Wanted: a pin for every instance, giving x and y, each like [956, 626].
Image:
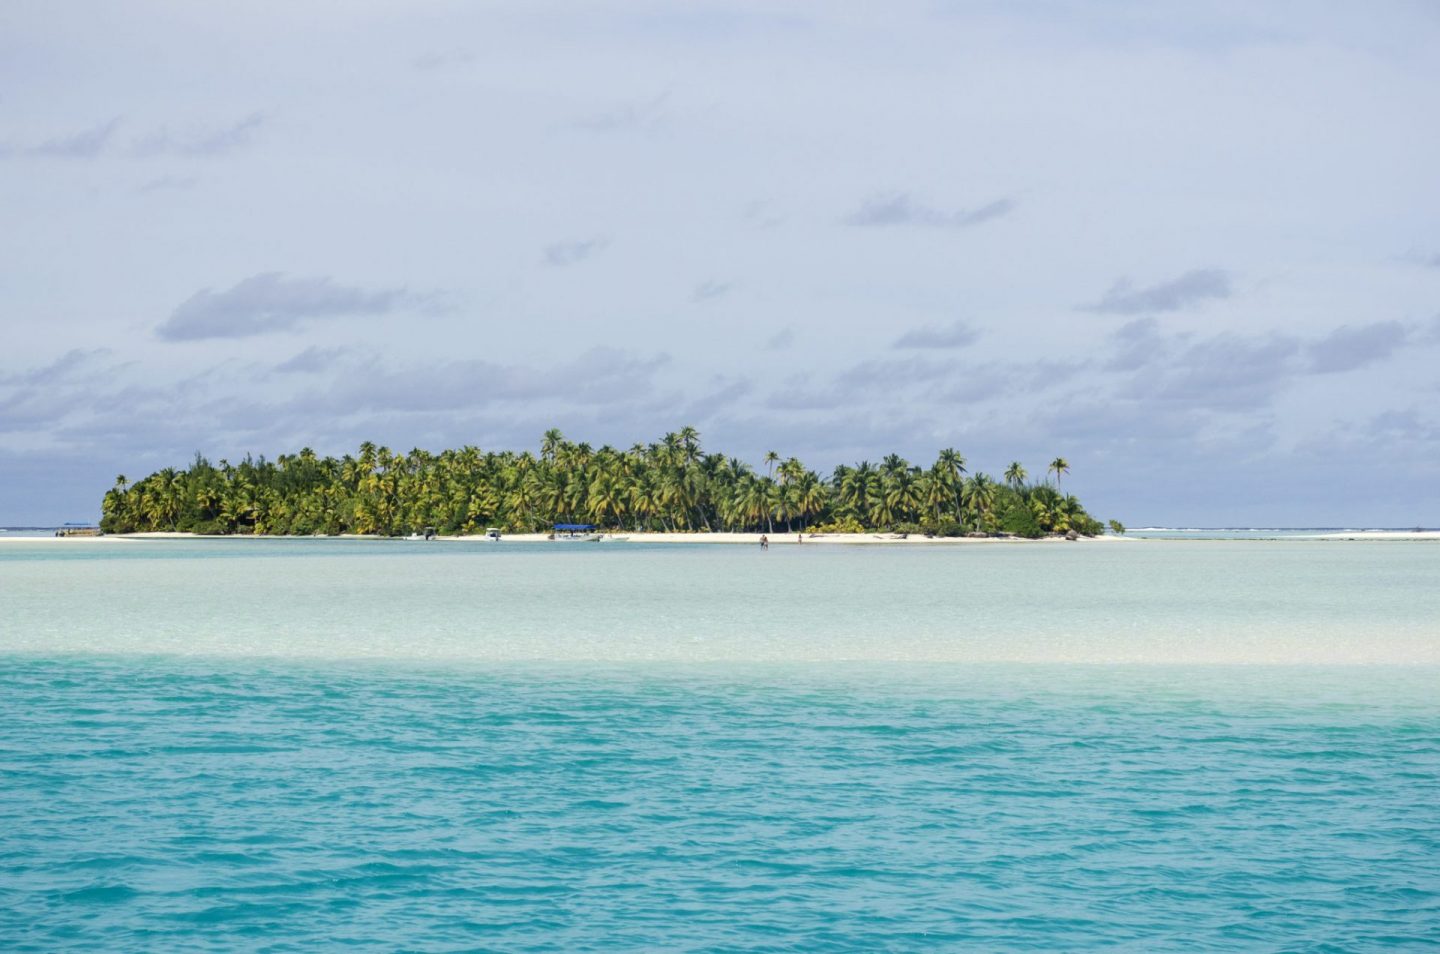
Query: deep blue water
[157, 804]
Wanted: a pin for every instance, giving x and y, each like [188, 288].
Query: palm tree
[771, 459]
[551, 443]
[1015, 474]
[980, 496]
[1059, 466]
[950, 466]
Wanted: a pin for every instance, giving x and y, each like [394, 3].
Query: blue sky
[1193, 249]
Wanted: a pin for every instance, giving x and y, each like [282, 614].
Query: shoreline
[752, 539]
[716, 538]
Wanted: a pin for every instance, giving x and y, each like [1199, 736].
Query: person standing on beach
[764, 542]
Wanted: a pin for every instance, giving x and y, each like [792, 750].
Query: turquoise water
[298, 746]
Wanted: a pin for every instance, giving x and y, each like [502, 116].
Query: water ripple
[148, 805]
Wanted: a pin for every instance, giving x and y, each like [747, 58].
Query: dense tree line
[669, 485]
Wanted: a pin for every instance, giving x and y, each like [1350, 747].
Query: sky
[1192, 248]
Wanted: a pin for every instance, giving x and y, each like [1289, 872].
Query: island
[670, 486]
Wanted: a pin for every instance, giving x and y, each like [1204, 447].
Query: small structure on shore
[79, 530]
[575, 531]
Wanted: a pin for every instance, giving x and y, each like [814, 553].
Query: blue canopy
[574, 526]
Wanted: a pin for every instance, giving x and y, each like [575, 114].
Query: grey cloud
[1347, 348]
[1191, 288]
[761, 215]
[599, 376]
[562, 254]
[1096, 421]
[272, 302]
[1226, 372]
[781, 340]
[200, 141]
[310, 360]
[1232, 372]
[62, 368]
[721, 399]
[1406, 426]
[709, 291]
[987, 381]
[955, 335]
[900, 209]
[1139, 343]
[95, 411]
[1430, 332]
[36, 398]
[980, 383]
[915, 380]
[86, 144]
[890, 374]
[801, 396]
[646, 116]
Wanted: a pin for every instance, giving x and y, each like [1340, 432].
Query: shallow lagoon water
[1212, 601]
[287, 746]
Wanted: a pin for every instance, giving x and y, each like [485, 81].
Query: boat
[428, 534]
[492, 533]
[576, 533]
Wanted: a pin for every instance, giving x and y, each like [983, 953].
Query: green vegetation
[669, 485]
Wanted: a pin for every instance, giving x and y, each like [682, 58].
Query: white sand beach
[780, 538]
[747, 539]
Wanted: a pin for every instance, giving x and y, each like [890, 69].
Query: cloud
[721, 399]
[801, 396]
[310, 360]
[166, 183]
[599, 376]
[955, 335]
[62, 368]
[1429, 333]
[761, 214]
[272, 302]
[1347, 348]
[1188, 289]
[1224, 372]
[199, 140]
[890, 374]
[1139, 343]
[37, 397]
[85, 144]
[1230, 371]
[780, 340]
[709, 291]
[646, 115]
[900, 209]
[562, 254]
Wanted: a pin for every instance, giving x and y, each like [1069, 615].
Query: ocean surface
[250, 745]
